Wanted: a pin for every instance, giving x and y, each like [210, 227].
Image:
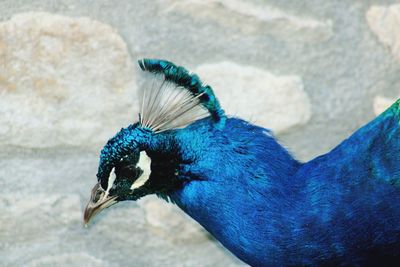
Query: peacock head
[172, 99]
[123, 170]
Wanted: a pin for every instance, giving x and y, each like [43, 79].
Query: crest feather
[173, 98]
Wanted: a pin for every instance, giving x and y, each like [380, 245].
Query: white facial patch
[144, 164]
[110, 182]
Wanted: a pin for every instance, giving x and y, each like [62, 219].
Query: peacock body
[239, 183]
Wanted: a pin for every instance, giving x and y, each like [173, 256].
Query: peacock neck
[251, 223]
[240, 202]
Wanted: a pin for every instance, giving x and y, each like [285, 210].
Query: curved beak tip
[87, 215]
[94, 207]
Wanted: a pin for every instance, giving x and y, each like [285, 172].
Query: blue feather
[269, 209]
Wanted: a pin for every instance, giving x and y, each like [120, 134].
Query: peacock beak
[99, 200]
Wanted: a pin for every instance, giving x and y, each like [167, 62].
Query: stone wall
[313, 71]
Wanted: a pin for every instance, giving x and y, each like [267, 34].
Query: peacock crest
[173, 97]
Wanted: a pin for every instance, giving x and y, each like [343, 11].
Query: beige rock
[251, 18]
[63, 81]
[384, 21]
[168, 222]
[275, 102]
[381, 103]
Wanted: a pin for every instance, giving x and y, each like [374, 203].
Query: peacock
[247, 190]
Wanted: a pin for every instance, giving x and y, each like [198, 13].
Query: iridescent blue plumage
[270, 210]
[238, 182]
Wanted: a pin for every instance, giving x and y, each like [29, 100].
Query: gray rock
[384, 21]
[252, 18]
[169, 222]
[275, 102]
[70, 259]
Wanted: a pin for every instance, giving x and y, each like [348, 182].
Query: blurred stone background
[313, 71]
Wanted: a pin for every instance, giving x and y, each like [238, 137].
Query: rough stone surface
[381, 103]
[275, 102]
[263, 19]
[61, 80]
[168, 222]
[385, 23]
[69, 259]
